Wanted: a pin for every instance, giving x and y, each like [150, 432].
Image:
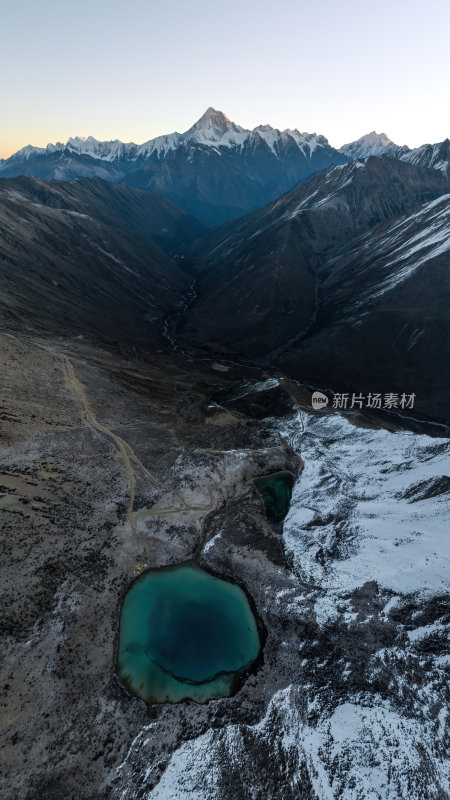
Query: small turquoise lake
[185, 634]
[276, 491]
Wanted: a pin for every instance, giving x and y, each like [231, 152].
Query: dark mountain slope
[261, 274]
[84, 258]
[277, 285]
[145, 214]
[384, 318]
[220, 183]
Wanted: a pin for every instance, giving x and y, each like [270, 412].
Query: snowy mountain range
[216, 131]
[436, 156]
[152, 370]
[213, 129]
[216, 170]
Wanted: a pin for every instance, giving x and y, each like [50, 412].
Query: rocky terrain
[111, 466]
[134, 419]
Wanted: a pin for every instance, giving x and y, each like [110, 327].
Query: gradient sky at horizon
[136, 70]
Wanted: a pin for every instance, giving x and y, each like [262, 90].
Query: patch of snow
[408, 252]
[426, 630]
[355, 752]
[352, 501]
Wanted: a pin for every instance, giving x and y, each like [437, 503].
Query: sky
[134, 70]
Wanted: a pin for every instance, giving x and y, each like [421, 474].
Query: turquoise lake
[184, 634]
[276, 491]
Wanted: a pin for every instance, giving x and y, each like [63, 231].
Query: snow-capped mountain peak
[214, 127]
[75, 139]
[211, 118]
[374, 138]
[371, 144]
[26, 152]
[262, 128]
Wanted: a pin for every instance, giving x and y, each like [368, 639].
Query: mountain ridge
[214, 128]
[212, 120]
[267, 289]
[216, 170]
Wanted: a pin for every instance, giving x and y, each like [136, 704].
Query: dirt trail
[129, 458]
[120, 444]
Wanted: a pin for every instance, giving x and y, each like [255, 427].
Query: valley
[156, 412]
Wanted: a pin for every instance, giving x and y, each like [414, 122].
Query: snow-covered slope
[360, 712]
[372, 144]
[436, 156]
[429, 155]
[370, 505]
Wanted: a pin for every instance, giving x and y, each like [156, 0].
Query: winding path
[129, 458]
